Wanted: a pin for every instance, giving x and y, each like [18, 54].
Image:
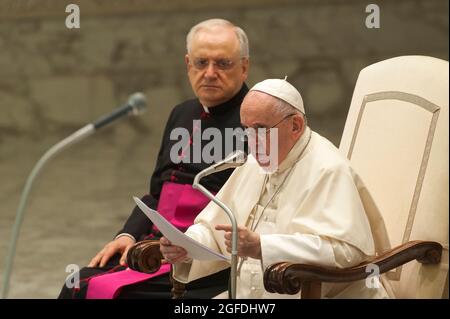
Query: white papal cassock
[317, 212]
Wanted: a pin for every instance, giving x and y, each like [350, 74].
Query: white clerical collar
[205, 109]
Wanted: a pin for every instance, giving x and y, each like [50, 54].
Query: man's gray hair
[240, 34]
[283, 108]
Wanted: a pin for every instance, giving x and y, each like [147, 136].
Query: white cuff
[125, 234]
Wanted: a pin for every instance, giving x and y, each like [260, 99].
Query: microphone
[235, 159]
[135, 106]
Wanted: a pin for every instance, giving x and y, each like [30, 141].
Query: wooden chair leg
[311, 290]
[178, 288]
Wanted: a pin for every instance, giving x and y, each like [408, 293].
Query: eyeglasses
[221, 64]
[262, 131]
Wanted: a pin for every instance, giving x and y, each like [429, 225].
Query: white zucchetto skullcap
[281, 89]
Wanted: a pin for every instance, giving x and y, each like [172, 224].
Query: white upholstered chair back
[396, 137]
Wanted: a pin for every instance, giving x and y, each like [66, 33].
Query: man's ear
[186, 60]
[298, 124]
[245, 67]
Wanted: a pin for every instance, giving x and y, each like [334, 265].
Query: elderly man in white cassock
[296, 199]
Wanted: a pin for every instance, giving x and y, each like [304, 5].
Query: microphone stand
[232, 293]
[196, 185]
[55, 149]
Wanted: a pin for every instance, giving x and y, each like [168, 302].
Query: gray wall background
[54, 80]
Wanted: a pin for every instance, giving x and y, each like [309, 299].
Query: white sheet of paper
[195, 249]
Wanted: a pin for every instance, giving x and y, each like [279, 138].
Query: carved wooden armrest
[289, 278]
[145, 256]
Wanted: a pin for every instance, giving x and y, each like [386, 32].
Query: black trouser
[154, 288]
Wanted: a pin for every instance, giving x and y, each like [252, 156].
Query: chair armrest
[145, 256]
[287, 278]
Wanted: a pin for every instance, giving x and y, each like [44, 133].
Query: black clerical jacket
[222, 116]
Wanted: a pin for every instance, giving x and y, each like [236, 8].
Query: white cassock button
[253, 288]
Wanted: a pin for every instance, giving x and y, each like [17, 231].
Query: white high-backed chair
[396, 137]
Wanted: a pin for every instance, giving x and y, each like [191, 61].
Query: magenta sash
[178, 203]
[108, 286]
